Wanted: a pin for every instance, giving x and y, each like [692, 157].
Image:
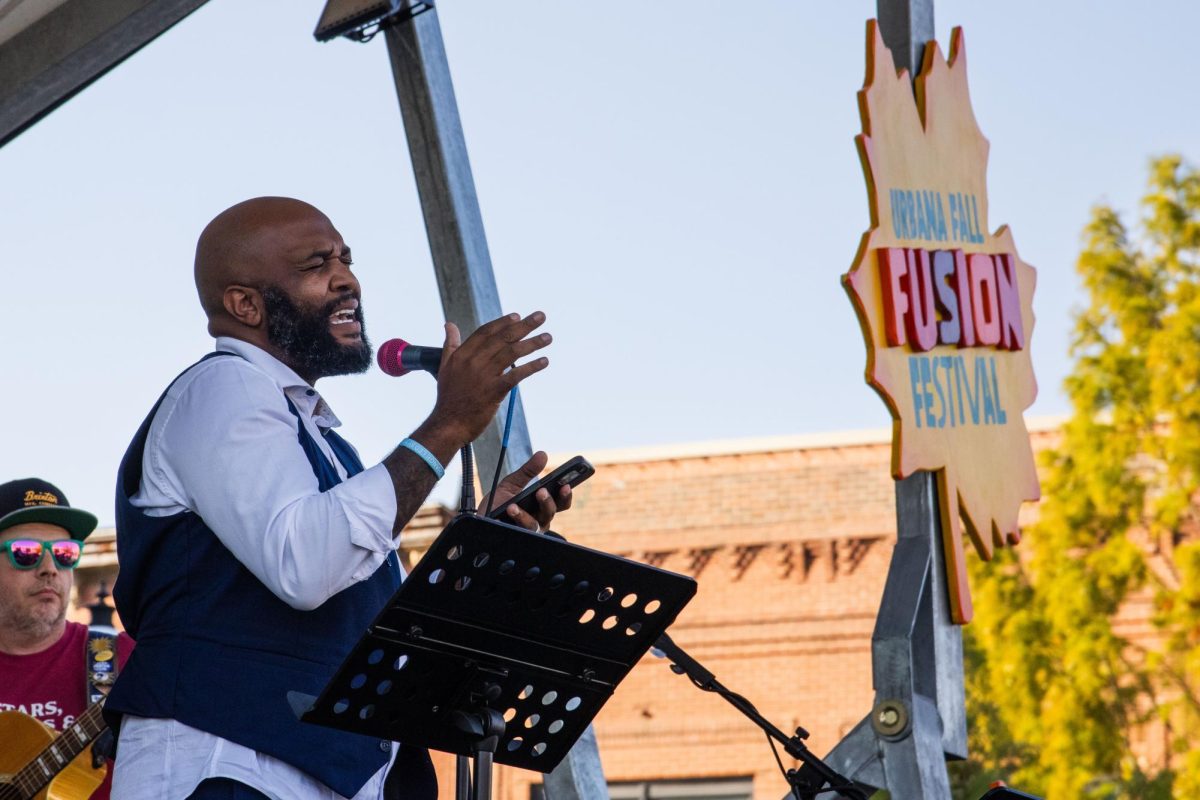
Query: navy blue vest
[219, 651]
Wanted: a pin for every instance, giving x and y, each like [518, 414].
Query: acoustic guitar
[36, 765]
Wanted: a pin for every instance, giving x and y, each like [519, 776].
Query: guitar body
[24, 739]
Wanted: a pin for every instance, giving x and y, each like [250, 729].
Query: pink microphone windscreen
[388, 357]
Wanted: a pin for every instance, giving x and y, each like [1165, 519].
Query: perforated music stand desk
[495, 617]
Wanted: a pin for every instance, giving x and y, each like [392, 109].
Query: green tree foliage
[1054, 693]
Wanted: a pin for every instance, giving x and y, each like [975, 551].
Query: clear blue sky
[675, 183]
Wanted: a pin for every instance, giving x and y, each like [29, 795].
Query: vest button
[385, 746]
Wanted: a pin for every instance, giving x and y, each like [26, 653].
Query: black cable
[782, 769]
[491, 497]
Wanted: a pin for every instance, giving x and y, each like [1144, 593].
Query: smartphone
[572, 473]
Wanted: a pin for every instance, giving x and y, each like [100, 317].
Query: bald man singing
[254, 546]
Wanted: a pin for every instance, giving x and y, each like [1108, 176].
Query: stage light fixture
[360, 20]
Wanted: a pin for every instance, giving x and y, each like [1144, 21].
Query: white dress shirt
[223, 445]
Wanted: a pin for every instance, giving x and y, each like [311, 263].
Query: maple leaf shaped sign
[946, 307]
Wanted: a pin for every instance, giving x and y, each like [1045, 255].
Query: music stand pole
[487, 726]
[483, 776]
[462, 778]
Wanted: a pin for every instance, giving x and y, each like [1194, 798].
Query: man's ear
[245, 304]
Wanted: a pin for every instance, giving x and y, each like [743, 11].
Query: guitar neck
[34, 776]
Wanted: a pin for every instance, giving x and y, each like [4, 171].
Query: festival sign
[946, 307]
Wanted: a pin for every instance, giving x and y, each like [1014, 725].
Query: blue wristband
[426, 456]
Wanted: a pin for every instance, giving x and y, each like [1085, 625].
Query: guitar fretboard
[62, 751]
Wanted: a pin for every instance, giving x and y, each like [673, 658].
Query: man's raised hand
[474, 375]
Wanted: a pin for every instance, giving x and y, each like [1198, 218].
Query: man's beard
[33, 623]
[304, 337]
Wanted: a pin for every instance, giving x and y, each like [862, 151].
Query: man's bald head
[274, 272]
[237, 247]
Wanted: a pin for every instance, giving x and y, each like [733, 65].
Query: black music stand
[500, 642]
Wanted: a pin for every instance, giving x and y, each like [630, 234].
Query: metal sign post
[907, 25]
[919, 720]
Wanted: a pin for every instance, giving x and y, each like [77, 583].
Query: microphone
[397, 357]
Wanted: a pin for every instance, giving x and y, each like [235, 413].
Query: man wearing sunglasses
[255, 547]
[43, 657]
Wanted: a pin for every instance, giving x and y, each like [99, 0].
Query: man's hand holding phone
[533, 507]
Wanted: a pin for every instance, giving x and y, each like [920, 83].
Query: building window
[699, 789]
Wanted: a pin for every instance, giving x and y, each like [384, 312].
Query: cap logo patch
[33, 498]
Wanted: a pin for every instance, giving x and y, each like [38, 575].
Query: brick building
[789, 539]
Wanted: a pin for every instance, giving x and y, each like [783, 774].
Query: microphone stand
[462, 764]
[467, 502]
[802, 788]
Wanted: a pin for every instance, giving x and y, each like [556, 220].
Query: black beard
[304, 337]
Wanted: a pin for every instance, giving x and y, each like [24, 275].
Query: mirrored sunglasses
[27, 553]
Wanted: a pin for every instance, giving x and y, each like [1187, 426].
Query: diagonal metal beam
[44, 64]
[463, 265]
[449, 204]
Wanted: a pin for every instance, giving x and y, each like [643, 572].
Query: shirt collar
[308, 401]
